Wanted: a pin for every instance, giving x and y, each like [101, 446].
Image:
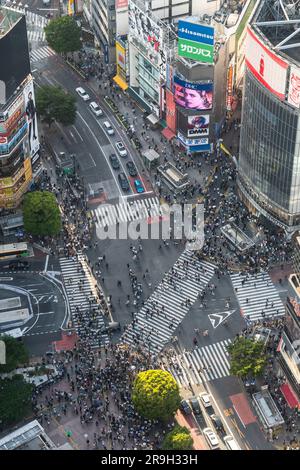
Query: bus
[14, 250]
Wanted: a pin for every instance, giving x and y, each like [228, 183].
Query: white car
[121, 149]
[211, 438]
[205, 398]
[82, 93]
[231, 444]
[108, 128]
[95, 108]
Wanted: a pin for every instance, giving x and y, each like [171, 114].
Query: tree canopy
[178, 439]
[55, 104]
[247, 357]
[16, 354]
[15, 400]
[63, 35]
[155, 394]
[41, 214]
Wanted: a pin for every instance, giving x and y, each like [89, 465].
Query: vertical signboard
[294, 87]
[170, 111]
[32, 143]
[229, 88]
[71, 7]
[196, 41]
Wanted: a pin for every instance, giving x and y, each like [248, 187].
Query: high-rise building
[19, 143]
[269, 160]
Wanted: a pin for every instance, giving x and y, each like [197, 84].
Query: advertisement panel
[268, 68]
[121, 4]
[192, 142]
[121, 61]
[196, 41]
[147, 32]
[193, 95]
[14, 54]
[71, 7]
[32, 145]
[229, 88]
[198, 126]
[11, 115]
[294, 87]
[170, 111]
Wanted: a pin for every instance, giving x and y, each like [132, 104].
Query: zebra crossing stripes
[106, 214]
[162, 313]
[81, 291]
[36, 35]
[257, 296]
[203, 364]
[33, 19]
[41, 53]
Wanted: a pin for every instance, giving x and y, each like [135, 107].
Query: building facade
[104, 25]
[269, 161]
[19, 142]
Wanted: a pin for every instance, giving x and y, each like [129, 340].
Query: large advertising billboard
[32, 143]
[193, 95]
[196, 41]
[170, 111]
[267, 67]
[294, 87]
[15, 64]
[149, 34]
[11, 115]
[198, 126]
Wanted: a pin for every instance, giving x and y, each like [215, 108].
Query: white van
[108, 128]
[231, 444]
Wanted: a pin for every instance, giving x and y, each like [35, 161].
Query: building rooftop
[267, 409]
[278, 22]
[8, 18]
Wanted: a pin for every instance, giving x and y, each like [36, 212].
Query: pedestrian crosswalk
[141, 209]
[36, 35]
[154, 325]
[203, 364]
[257, 296]
[83, 299]
[33, 19]
[41, 53]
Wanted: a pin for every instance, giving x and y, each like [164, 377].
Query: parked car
[195, 406]
[82, 93]
[114, 161]
[121, 149]
[185, 407]
[138, 186]
[123, 181]
[231, 444]
[95, 109]
[131, 168]
[211, 438]
[218, 423]
[205, 398]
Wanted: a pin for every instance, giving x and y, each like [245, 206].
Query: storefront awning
[120, 82]
[153, 119]
[168, 134]
[289, 396]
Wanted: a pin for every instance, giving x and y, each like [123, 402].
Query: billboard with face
[32, 144]
[267, 67]
[198, 126]
[193, 95]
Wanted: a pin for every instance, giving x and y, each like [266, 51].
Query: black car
[195, 406]
[131, 168]
[217, 423]
[185, 407]
[123, 181]
[114, 161]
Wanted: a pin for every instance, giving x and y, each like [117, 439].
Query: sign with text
[196, 41]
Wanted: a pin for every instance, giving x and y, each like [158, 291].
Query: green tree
[16, 354]
[55, 104]
[63, 35]
[41, 214]
[155, 394]
[247, 357]
[15, 400]
[178, 439]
